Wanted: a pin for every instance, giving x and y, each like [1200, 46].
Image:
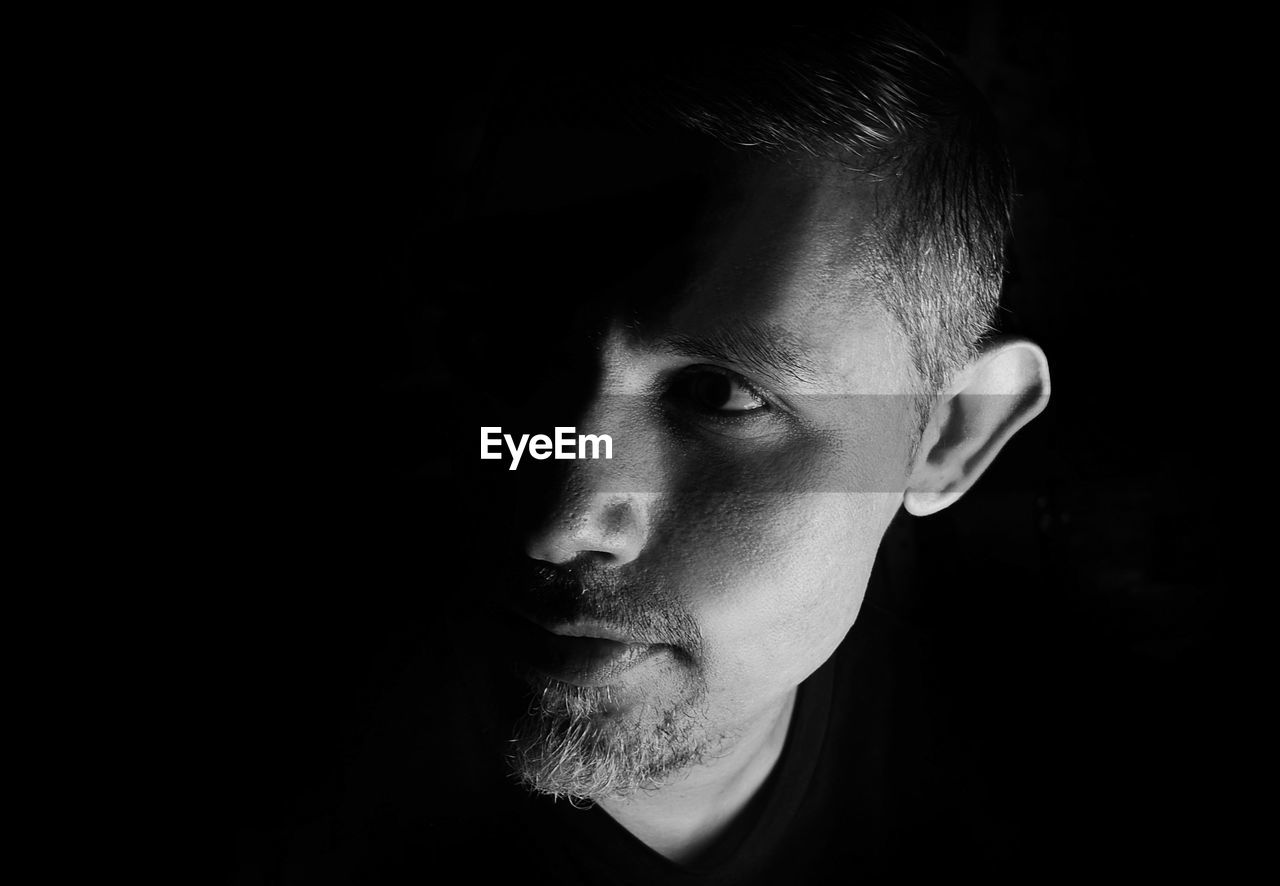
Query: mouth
[580, 653]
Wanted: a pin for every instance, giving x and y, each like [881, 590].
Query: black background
[1080, 583]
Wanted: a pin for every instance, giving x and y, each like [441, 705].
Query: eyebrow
[765, 348]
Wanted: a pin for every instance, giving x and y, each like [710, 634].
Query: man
[767, 269]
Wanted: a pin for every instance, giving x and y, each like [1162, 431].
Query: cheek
[775, 571]
[776, 580]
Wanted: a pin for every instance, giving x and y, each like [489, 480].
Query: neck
[683, 819]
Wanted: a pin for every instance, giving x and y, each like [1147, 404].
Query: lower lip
[582, 661]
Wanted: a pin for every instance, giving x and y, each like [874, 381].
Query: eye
[718, 391]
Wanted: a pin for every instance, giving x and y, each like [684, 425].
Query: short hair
[888, 104]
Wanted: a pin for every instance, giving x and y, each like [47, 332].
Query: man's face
[762, 428]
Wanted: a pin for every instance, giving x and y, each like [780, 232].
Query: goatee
[579, 743]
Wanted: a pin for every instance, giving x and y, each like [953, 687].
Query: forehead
[784, 247]
[678, 238]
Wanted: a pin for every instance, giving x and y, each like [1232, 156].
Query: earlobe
[993, 397]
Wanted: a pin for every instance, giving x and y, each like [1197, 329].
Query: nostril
[606, 526]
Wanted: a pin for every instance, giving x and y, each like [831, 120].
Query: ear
[986, 403]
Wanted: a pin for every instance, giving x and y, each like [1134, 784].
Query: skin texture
[756, 497]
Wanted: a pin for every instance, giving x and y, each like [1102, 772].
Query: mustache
[639, 604]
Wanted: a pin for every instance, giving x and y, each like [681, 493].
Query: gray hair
[891, 106]
[879, 98]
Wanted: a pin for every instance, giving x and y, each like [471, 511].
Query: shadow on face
[708, 313]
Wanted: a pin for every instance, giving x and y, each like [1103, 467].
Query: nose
[608, 528]
[601, 510]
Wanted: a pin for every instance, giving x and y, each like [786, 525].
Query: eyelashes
[716, 392]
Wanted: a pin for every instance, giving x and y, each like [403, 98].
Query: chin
[594, 743]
